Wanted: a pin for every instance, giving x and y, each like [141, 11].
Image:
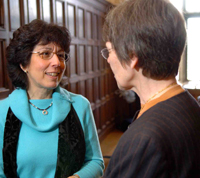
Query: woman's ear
[133, 63]
[23, 68]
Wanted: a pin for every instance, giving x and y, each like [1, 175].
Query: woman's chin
[51, 87]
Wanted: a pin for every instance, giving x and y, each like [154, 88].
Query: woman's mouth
[53, 74]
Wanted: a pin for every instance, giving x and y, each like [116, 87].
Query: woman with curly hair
[45, 130]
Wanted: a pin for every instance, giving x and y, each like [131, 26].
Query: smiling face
[45, 73]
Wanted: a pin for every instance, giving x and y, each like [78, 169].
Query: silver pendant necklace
[44, 111]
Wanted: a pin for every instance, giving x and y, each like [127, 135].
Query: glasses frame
[105, 50]
[67, 59]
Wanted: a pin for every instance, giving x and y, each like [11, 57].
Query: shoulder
[181, 100]
[175, 107]
[82, 107]
[80, 103]
[75, 99]
[173, 118]
[80, 99]
[183, 105]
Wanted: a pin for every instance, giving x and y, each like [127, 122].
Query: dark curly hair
[25, 39]
[152, 30]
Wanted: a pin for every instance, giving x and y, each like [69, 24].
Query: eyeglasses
[105, 52]
[63, 56]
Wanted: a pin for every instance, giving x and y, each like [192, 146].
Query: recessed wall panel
[81, 31]
[73, 60]
[82, 87]
[90, 90]
[59, 13]
[1, 63]
[1, 14]
[95, 27]
[82, 59]
[71, 19]
[89, 25]
[89, 59]
[95, 58]
[32, 10]
[14, 15]
[46, 10]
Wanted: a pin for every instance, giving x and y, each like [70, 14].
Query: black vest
[71, 145]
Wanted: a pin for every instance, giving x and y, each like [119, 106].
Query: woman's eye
[61, 55]
[45, 54]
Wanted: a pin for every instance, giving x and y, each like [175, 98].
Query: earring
[26, 71]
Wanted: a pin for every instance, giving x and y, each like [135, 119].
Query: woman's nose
[55, 60]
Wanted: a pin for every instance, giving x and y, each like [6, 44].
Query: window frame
[182, 78]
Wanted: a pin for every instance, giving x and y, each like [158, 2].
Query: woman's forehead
[49, 46]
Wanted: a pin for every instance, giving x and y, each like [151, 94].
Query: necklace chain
[44, 111]
[174, 83]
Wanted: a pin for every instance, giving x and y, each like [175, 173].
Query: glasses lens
[61, 56]
[105, 53]
[66, 57]
[46, 55]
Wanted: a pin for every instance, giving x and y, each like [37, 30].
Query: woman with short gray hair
[144, 43]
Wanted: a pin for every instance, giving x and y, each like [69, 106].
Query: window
[191, 65]
[192, 6]
[193, 55]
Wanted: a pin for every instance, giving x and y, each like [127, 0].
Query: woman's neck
[153, 88]
[39, 94]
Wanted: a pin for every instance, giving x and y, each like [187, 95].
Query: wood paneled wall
[87, 72]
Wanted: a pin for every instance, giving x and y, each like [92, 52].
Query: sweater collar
[61, 98]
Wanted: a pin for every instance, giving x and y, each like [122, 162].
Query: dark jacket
[163, 142]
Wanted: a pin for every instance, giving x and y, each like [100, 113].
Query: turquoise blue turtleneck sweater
[38, 138]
